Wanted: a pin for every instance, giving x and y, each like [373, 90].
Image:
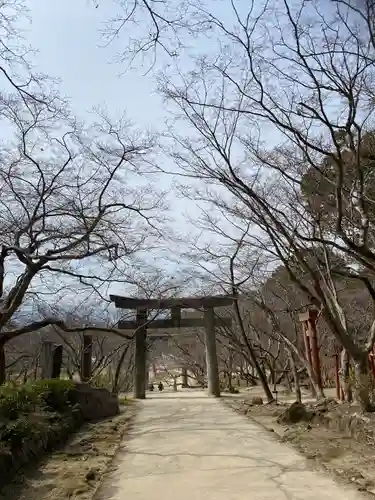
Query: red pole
[372, 363]
[307, 343]
[314, 347]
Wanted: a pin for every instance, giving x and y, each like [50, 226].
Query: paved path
[190, 447]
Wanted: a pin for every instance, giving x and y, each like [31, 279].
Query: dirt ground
[350, 459]
[76, 470]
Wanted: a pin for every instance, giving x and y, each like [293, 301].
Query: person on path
[160, 386]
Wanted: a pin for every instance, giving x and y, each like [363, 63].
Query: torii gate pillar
[139, 387]
[211, 356]
[184, 376]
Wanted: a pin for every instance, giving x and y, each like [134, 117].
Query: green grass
[125, 400]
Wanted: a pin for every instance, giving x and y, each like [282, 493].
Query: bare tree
[145, 29]
[303, 74]
[70, 209]
[221, 269]
[77, 210]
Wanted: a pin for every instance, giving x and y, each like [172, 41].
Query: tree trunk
[297, 387]
[273, 372]
[230, 382]
[363, 383]
[283, 374]
[36, 368]
[288, 381]
[316, 391]
[345, 376]
[249, 379]
[230, 371]
[271, 376]
[115, 386]
[252, 355]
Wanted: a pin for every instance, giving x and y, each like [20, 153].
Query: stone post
[211, 357]
[86, 359]
[57, 361]
[184, 376]
[46, 361]
[2, 365]
[140, 356]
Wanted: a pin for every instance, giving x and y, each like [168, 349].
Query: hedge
[49, 395]
[34, 418]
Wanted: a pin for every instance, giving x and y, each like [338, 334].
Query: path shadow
[172, 398]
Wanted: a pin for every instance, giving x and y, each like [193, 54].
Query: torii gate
[142, 306]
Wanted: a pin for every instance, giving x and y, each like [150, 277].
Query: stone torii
[140, 325]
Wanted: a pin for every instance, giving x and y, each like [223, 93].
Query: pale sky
[66, 33]
[71, 48]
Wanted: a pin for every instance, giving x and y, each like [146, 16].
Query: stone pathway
[187, 446]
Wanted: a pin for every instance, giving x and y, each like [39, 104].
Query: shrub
[15, 401]
[52, 395]
[55, 395]
[37, 416]
[19, 431]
